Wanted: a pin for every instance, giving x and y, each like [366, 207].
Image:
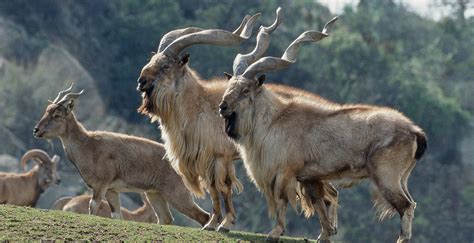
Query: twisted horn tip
[329, 24]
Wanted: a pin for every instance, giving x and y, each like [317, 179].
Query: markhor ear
[70, 105]
[260, 80]
[228, 75]
[184, 59]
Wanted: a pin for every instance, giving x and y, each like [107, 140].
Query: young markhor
[111, 163]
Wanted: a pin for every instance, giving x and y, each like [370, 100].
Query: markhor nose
[141, 80]
[223, 106]
[35, 130]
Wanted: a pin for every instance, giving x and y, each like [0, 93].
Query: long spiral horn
[270, 64]
[212, 37]
[242, 61]
[175, 34]
[169, 37]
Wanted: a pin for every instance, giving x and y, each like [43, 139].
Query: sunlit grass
[21, 223]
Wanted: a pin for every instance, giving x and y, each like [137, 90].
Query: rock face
[56, 69]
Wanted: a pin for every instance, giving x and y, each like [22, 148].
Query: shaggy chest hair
[192, 134]
[273, 175]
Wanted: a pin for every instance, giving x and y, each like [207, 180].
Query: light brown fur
[24, 189]
[59, 204]
[186, 108]
[285, 142]
[111, 163]
[80, 204]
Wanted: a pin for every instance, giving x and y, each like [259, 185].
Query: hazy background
[379, 52]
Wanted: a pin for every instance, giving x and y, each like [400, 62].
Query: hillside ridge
[22, 223]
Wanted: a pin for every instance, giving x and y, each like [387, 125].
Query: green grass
[21, 223]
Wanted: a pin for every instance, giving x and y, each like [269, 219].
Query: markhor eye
[246, 91]
[165, 67]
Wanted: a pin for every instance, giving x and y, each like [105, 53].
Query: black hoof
[223, 230]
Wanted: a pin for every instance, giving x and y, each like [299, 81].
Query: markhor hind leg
[405, 181]
[160, 205]
[332, 203]
[390, 166]
[394, 194]
[182, 200]
[409, 214]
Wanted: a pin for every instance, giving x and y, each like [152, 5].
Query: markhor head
[246, 84]
[53, 122]
[167, 66]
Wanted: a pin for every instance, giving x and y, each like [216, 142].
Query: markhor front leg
[225, 168]
[113, 199]
[216, 216]
[279, 229]
[229, 219]
[97, 196]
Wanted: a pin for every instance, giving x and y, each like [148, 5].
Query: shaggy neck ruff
[263, 113]
[180, 98]
[192, 130]
[256, 141]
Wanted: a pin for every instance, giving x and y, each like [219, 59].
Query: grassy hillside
[20, 223]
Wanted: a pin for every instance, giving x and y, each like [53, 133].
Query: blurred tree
[458, 8]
